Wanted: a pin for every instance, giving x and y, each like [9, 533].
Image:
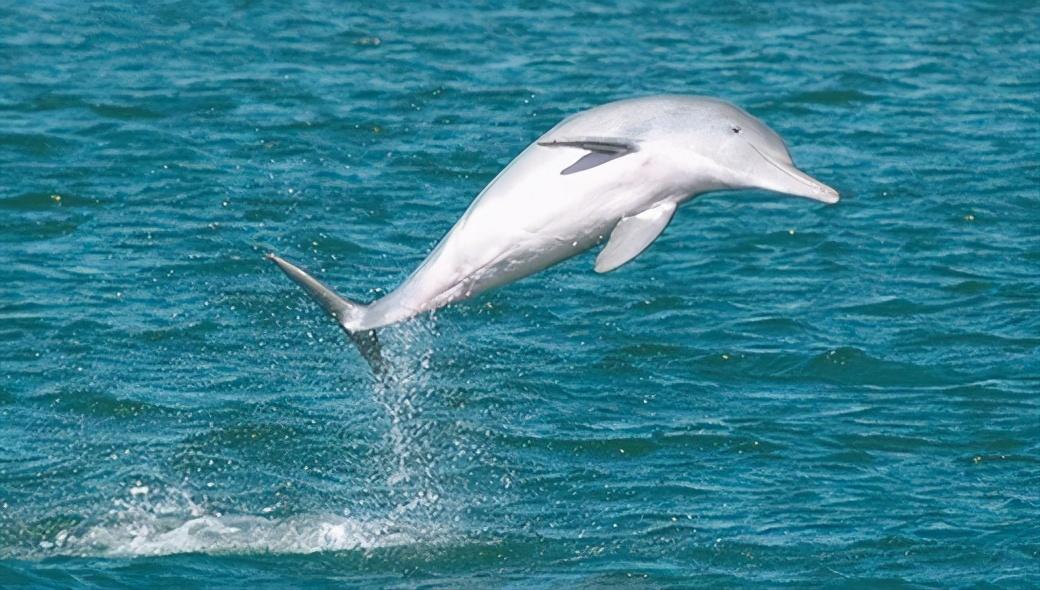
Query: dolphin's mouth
[795, 182]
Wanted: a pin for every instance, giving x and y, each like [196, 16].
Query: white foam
[141, 526]
[237, 534]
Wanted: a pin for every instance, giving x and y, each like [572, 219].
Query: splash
[141, 527]
[418, 440]
[237, 534]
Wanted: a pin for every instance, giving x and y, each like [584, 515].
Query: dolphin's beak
[785, 178]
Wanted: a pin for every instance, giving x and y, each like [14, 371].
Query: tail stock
[344, 311]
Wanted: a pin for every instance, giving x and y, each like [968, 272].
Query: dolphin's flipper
[345, 312]
[601, 150]
[633, 234]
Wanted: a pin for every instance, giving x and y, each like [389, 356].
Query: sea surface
[777, 394]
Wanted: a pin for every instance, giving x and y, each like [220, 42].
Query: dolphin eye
[735, 129]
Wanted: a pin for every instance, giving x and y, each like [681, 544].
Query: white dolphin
[616, 171]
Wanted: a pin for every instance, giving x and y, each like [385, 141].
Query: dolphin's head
[746, 154]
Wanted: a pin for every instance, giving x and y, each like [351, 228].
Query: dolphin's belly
[464, 266]
[458, 270]
[533, 252]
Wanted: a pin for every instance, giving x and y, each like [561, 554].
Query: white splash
[236, 534]
[142, 527]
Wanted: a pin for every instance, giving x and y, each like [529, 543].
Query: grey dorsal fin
[601, 150]
[633, 234]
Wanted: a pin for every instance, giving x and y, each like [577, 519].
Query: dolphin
[616, 172]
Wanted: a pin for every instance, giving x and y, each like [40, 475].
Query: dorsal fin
[634, 234]
[601, 150]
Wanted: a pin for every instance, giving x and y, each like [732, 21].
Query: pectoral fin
[600, 151]
[633, 234]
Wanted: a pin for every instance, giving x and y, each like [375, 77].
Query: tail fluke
[345, 312]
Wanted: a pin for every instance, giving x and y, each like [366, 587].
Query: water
[776, 394]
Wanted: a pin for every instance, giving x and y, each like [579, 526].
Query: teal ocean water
[777, 394]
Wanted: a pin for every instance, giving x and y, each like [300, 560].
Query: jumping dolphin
[615, 172]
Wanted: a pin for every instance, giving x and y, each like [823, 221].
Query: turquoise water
[776, 394]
